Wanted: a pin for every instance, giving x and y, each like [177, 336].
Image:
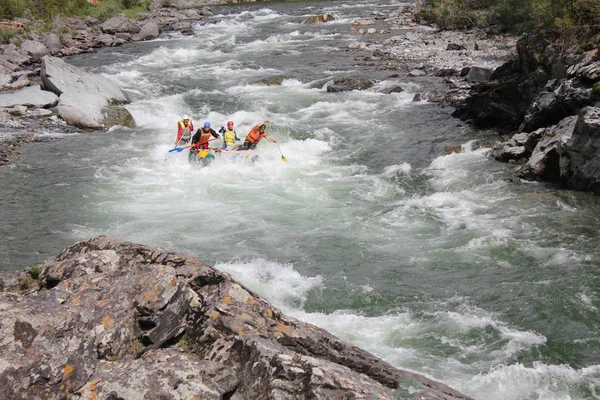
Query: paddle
[180, 149]
[282, 157]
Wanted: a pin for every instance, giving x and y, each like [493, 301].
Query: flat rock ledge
[116, 320]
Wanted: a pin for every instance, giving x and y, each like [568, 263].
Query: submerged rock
[110, 319]
[347, 83]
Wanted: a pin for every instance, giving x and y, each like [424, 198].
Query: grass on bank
[45, 10]
[567, 20]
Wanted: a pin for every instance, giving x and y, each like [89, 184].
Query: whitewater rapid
[435, 262]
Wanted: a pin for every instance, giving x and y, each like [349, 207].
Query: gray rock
[20, 83]
[105, 40]
[124, 36]
[579, 162]
[347, 83]
[92, 110]
[36, 50]
[86, 100]
[59, 77]
[544, 161]
[319, 19]
[149, 31]
[43, 113]
[109, 320]
[19, 111]
[5, 77]
[15, 56]
[478, 74]
[53, 43]
[32, 96]
[417, 72]
[455, 47]
[182, 4]
[120, 23]
[507, 153]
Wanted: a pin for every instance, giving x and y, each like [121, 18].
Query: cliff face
[116, 320]
[549, 97]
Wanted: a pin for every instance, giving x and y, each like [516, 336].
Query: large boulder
[116, 320]
[59, 77]
[544, 163]
[53, 43]
[36, 50]
[120, 23]
[579, 161]
[149, 31]
[90, 110]
[86, 100]
[32, 96]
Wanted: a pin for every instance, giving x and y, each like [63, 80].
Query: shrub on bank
[47, 9]
[569, 19]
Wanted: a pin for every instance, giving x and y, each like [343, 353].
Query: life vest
[229, 137]
[254, 136]
[186, 133]
[204, 138]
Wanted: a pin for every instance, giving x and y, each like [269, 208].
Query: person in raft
[255, 135]
[202, 136]
[184, 131]
[229, 137]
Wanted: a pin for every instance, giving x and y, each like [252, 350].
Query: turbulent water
[434, 262]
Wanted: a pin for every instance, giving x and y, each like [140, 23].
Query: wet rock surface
[110, 319]
[545, 96]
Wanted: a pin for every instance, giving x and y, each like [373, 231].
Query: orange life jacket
[254, 136]
[204, 138]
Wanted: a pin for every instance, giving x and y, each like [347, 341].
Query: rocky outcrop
[32, 96]
[86, 100]
[117, 320]
[579, 163]
[541, 94]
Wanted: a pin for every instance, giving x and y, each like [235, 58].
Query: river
[434, 262]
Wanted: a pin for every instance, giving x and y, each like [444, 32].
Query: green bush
[10, 9]
[6, 34]
[567, 19]
[47, 9]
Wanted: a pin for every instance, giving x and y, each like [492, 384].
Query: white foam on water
[280, 283]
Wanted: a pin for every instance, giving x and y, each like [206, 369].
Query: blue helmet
[207, 124]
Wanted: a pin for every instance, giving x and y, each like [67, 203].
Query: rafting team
[200, 139]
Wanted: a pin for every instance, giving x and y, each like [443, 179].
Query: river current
[434, 262]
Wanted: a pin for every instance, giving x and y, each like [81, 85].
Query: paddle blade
[179, 149]
[284, 159]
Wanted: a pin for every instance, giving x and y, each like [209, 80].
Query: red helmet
[229, 123]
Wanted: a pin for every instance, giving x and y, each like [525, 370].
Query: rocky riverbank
[542, 97]
[547, 101]
[36, 63]
[117, 320]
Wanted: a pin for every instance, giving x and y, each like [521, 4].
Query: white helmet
[185, 117]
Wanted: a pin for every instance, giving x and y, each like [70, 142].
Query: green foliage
[34, 272]
[6, 34]
[596, 89]
[47, 9]
[567, 19]
[188, 345]
[26, 283]
[10, 9]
